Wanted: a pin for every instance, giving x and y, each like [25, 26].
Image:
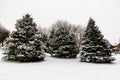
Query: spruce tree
[63, 43]
[94, 48]
[24, 44]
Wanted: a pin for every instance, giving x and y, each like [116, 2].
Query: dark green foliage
[62, 43]
[25, 43]
[94, 47]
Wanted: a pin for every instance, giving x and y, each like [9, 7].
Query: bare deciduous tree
[44, 32]
[78, 30]
[4, 33]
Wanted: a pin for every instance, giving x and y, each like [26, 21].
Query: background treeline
[4, 33]
[64, 40]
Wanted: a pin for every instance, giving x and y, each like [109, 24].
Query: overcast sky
[106, 13]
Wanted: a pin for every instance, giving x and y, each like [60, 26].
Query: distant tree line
[64, 40]
[4, 33]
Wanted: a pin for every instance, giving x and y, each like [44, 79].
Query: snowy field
[59, 69]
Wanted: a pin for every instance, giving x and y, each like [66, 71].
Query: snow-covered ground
[59, 69]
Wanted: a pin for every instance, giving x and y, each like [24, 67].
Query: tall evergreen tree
[63, 43]
[24, 44]
[94, 47]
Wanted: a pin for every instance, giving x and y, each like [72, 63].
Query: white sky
[45, 12]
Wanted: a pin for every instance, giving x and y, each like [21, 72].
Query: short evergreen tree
[94, 47]
[25, 43]
[63, 43]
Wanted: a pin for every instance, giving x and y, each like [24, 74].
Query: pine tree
[25, 43]
[94, 47]
[63, 44]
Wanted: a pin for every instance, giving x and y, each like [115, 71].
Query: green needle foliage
[24, 44]
[94, 48]
[63, 43]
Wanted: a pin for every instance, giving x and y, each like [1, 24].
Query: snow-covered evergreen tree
[63, 43]
[24, 44]
[94, 47]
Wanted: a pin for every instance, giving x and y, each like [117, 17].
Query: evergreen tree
[25, 43]
[63, 43]
[94, 47]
